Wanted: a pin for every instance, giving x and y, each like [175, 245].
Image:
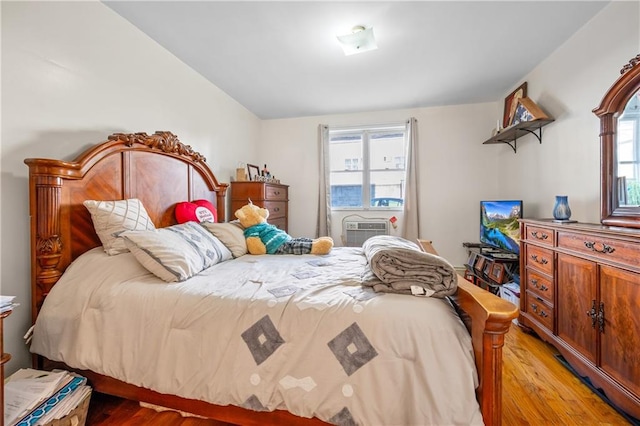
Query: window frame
[365, 133]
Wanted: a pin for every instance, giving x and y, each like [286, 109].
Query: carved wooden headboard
[158, 169]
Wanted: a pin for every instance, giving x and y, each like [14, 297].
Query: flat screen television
[499, 226]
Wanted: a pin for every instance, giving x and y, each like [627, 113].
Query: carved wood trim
[611, 106]
[48, 243]
[161, 140]
[632, 63]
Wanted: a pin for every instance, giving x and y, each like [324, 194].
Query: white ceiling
[282, 59]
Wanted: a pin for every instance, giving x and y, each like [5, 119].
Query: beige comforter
[298, 333]
[399, 266]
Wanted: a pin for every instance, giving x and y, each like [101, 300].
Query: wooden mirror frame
[611, 107]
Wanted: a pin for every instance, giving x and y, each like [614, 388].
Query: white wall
[455, 169]
[72, 74]
[569, 84]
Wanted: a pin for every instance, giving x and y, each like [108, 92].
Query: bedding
[399, 266]
[293, 332]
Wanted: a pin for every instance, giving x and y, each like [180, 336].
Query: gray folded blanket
[396, 264]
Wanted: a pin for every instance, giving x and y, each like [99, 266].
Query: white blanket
[268, 332]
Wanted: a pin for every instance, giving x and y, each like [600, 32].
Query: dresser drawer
[276, 209]
[540, 310]
[539, 258]
[540, 285]
[280, 223]
[540, 235]
[243, 191]
[275, 192]
[610, 249]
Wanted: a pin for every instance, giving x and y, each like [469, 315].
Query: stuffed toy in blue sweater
[264, 238]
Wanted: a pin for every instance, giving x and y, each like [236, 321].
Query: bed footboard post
[491, 391]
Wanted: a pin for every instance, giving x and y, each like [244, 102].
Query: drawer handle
[592, 313]
[539, 235]
[534, 283]
[601, 318]
[606, 249]
[276, 209]
[276, 192]
[542, 313]
[544, 287]
[542, 261]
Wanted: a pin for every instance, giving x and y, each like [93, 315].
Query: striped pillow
[110, 218]
[178, 252]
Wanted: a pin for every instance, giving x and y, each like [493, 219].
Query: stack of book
[7, 303]
[36, 397]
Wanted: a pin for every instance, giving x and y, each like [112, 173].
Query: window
[367, 167]
[352, 163]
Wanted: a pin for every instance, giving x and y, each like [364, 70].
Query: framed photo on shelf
[527, 110]
[253, 171]
[479, 265]
[473, 257]
[488, 265]
[511, 103]
[497, 272]
[468, 275]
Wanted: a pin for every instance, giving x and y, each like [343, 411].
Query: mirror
[619, 114]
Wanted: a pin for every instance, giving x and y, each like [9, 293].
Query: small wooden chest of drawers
[271, 196]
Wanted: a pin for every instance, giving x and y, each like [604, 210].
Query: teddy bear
[264, 238]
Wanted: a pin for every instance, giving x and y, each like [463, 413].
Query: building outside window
[367, 167]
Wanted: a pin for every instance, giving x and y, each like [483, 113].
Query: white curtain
[323, 227]
[409, 225]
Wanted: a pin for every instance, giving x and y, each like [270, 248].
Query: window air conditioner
[357, 232]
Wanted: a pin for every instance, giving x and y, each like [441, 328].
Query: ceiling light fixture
[360, 40]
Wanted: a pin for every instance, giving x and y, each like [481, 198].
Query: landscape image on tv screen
[499, 225]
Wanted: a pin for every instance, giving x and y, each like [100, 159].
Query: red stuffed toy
[196, 211]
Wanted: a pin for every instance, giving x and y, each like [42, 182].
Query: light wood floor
[537, 390]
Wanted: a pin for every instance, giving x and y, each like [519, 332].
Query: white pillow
[111, 218]
[177, 252]
[231, 234]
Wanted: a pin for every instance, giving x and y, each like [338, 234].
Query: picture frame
[468, 275]
[479, 265]
[473, 257]
[511, 102]
[253, 171]
[527, 110]
[497, 272]
[486, 270]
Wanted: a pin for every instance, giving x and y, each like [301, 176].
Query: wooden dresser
[580, 291]
[271, 196]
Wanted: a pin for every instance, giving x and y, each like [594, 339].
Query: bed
[161, 171]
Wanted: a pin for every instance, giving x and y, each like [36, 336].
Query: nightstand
[4, 358]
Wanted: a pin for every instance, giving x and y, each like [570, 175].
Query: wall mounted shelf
[511, 134]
